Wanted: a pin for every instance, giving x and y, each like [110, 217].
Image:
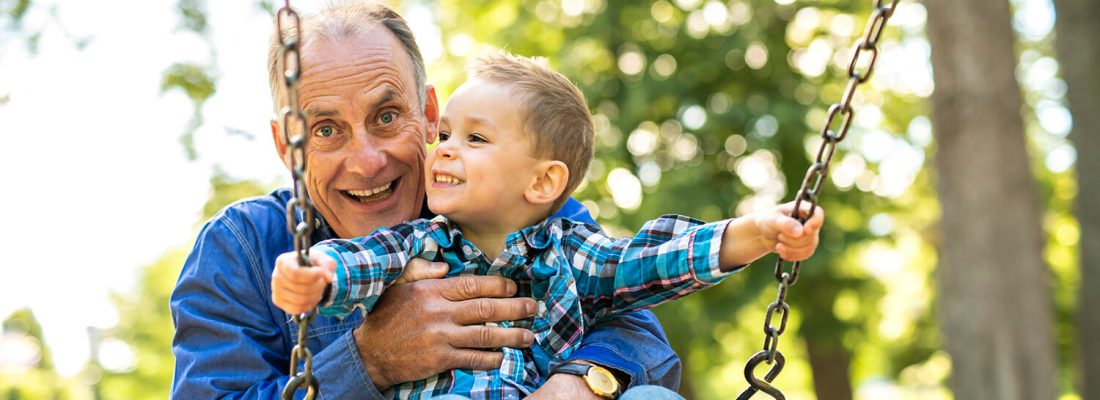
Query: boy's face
[483, 162]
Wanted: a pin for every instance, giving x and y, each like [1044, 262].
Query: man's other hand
[564, 387]
[422, 328]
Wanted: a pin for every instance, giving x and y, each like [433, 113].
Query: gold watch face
[601, 382]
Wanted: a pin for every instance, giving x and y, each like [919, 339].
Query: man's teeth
[368, 192]
[448, 179]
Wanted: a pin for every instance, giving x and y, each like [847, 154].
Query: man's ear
[431, 114]
[549, 183]
[280, 145]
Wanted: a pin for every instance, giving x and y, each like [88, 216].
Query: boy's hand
[297, 290]
[783, 234]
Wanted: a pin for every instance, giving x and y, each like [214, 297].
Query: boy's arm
[669, 258]
[365, 266]
[673, 256]
[229, 343]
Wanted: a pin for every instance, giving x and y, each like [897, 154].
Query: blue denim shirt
[232, 342]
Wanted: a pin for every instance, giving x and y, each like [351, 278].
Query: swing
[290, 52]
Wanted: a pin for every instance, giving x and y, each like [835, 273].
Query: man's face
[483, 162]
[367, 131]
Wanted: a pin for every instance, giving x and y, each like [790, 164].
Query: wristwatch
[598, 378]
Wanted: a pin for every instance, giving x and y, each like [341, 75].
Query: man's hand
[297, 290]
[564, 387]
[429, 326]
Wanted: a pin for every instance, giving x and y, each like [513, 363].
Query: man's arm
[229, 343]
[635, 346]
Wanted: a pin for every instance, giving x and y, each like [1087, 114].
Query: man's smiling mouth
[371, 195]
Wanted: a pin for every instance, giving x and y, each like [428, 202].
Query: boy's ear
[549, 183]
[280, 145]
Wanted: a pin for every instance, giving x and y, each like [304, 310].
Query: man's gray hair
[339, 20]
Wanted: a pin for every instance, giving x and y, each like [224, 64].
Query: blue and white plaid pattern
[578, 275]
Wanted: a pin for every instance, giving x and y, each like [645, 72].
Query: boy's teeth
[448, 179]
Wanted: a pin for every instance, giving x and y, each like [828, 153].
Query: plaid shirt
[578, 276]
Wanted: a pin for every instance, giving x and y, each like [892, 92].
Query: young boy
[515, 141]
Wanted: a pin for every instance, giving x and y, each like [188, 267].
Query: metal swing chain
[299, 204]
[811, 186]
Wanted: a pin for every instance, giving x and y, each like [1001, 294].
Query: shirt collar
[538, 236]
[444, 232]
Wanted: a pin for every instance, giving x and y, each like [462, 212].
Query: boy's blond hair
[555, 114]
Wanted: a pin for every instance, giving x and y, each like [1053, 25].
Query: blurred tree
[196, 80]
[700, 110]
[26, 368]
[996, 306]
[145, 329]
[1075, 27]
[145, 322]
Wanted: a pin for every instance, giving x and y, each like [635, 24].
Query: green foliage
[145, 322]
[198, 83]
[193, 14]
[144, 317]
[678, 104]
[225, 190]
[24, 323]
[16, 10]
[35, 379]
[191, 78]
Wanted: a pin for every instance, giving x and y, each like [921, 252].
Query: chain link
[865, 54]
[295, 135]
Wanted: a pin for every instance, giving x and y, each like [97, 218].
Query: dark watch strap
[571, 368]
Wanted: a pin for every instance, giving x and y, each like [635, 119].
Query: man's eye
[387, 117]
[326, 131]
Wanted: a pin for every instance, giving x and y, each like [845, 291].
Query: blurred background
[129, 123]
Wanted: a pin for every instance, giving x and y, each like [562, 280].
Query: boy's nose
[446, 150]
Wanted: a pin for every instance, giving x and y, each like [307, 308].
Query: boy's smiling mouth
[447, 179]
[371, 195]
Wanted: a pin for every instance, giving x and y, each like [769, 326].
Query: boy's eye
[326, 131]
[443, 136]
[477, 138]
[387, 117]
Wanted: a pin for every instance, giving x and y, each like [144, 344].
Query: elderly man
[364, 93]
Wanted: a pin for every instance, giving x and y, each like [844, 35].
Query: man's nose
[366, 155]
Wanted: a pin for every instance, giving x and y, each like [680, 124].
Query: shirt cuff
[341, 372]
[704, 252]
[609, 358]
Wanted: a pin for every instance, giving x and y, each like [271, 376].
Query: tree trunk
[994, 295]
[830, 363]
[1079, 57]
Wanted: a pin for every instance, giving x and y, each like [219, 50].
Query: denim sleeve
[229, 343]
[634, 344]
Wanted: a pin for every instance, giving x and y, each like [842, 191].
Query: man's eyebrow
[387, 96]
[315, 112]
